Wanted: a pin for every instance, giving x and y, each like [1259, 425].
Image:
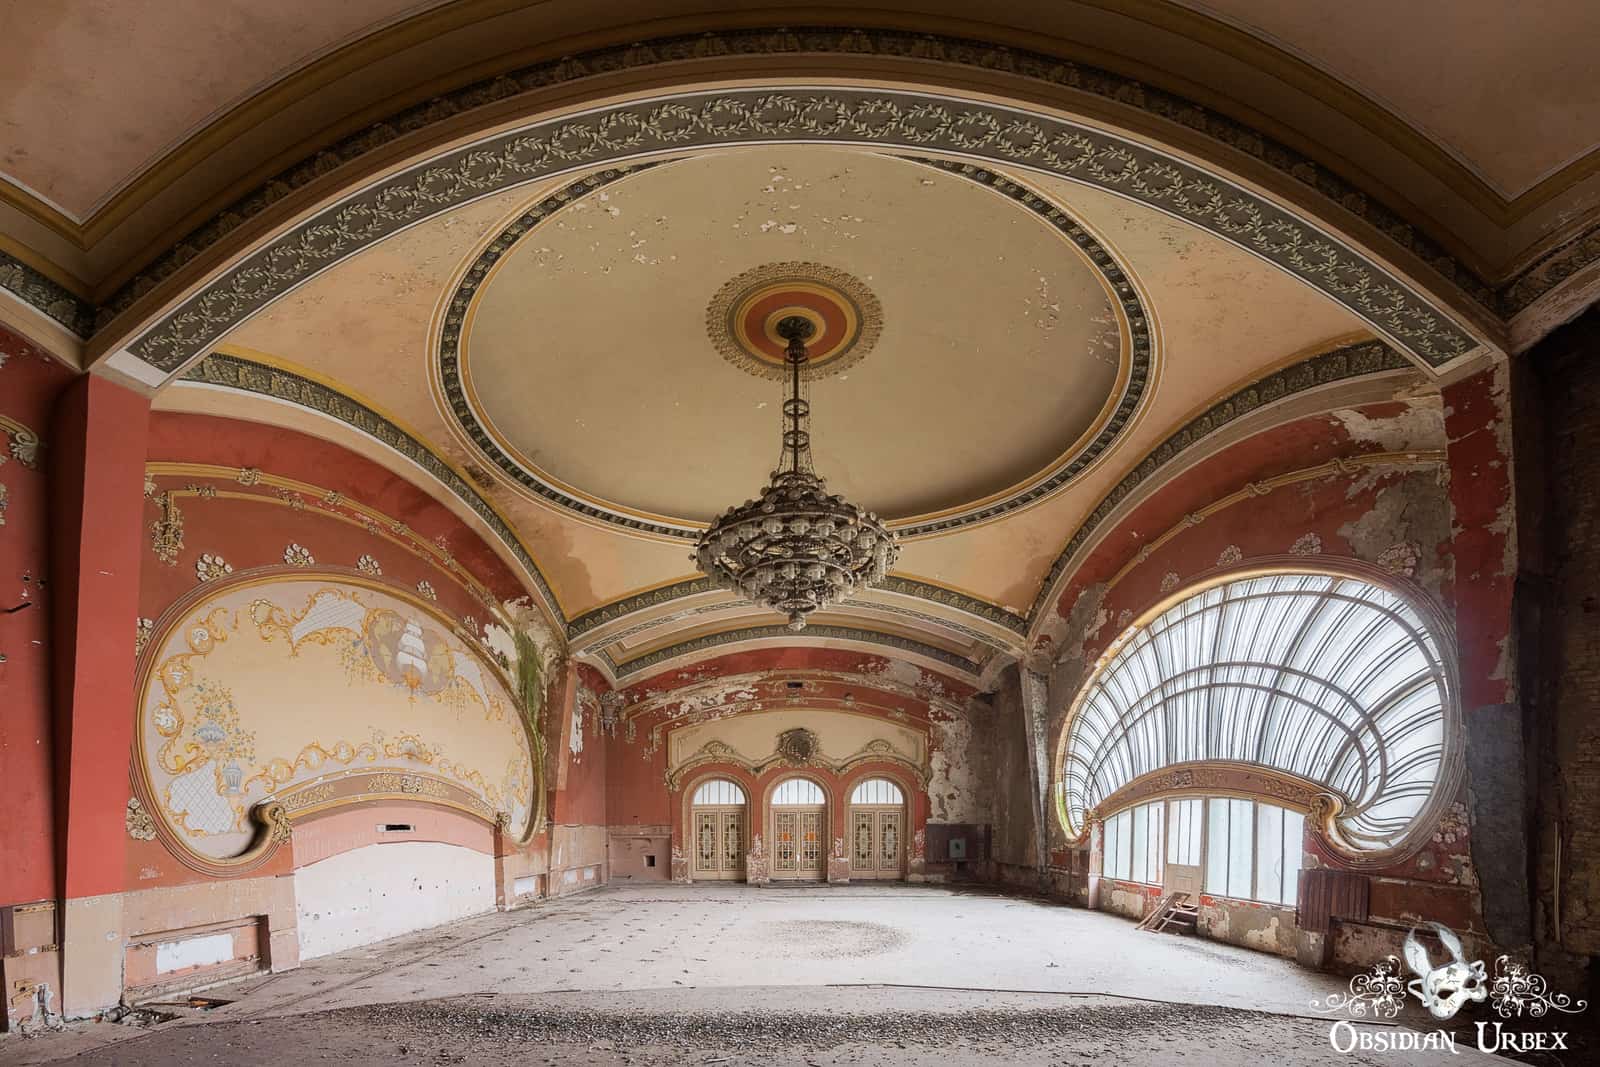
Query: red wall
[250, 527]
[30, 383]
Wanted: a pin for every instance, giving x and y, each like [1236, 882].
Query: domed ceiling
[617, 348]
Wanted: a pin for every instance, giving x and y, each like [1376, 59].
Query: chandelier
[796, 549]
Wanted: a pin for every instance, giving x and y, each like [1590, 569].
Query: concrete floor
[732, 975]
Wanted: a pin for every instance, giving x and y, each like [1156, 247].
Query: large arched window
[1333, 680]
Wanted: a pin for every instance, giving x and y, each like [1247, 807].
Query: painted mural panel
[313, 692]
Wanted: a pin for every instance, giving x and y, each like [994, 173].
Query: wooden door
[877, 842]
[797, 844]
[718, 843]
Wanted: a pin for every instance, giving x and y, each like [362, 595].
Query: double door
[798, 836]
[876, 842]
[718, 843]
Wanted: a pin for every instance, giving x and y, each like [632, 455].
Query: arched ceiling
[486, 241]
[592, 347]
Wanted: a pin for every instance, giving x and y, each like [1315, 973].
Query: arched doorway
[799, 831]
[877, 830]
[717, 815]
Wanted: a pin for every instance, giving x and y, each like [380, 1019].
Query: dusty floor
[667, 974]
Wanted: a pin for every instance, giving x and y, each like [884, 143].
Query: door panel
[785, 831]
[718, 843]
[798, 840]
[877, 836]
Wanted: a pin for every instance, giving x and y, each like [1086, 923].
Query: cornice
[864, 117]
[966, 670]
[593, 622]
[846, 42]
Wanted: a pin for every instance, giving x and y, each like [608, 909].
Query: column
[97, 518]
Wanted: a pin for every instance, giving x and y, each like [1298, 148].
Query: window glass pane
[1216, 875]
[1294, 830]
[1269, 853]
[1141, 846]
[1241, 822]
[1108, 848]
[1125, 844]
[1328, 678]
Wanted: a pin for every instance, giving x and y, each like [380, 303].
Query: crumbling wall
[1558, 588]
[1015, 822]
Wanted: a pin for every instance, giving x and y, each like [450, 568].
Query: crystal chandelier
[796, 549]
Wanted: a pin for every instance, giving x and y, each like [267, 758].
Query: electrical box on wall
[957, 848]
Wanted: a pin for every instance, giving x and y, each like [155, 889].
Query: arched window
[1330, 679]
[718, 791]
[798, 791]
[877, 791]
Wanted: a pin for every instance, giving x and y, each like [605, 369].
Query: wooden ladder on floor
[1173, 912]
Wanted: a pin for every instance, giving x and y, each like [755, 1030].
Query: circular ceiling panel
[609, 350]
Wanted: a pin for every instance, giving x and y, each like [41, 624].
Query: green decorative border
[1349, 361]
[42, 294]
[452, 383]
[767, 633]
[852, 116]
[910, 587]
[1512, 296]
[818, 40]
[234, 372]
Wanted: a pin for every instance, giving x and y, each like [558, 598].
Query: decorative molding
[235, 372]
[24, 446]
[290, 493]
[1137, 345]
[1341, 364]
[875, 751]
[835, 357]
[968, 669]
[880, 44]
[737, 691]
[898, 584]
[615, 134]
[46, 296]
[1538, 278]
[140, 825]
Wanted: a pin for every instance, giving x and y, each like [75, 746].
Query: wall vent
[395, 828]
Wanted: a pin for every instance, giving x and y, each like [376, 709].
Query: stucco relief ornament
[143, 631]
[296, 555]
[425, 587]
[1401, 559]
[1169, 581]
[141, 827]
[1308, 545]
[1230, 556]
[249, 476]
[166, 533]
[210, 567]
[369, 566]
[5, 502]
[798, 745]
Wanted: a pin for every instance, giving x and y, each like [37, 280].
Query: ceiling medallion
[742, 319]
[796, 549]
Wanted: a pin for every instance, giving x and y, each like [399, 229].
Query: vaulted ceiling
[520, 254]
